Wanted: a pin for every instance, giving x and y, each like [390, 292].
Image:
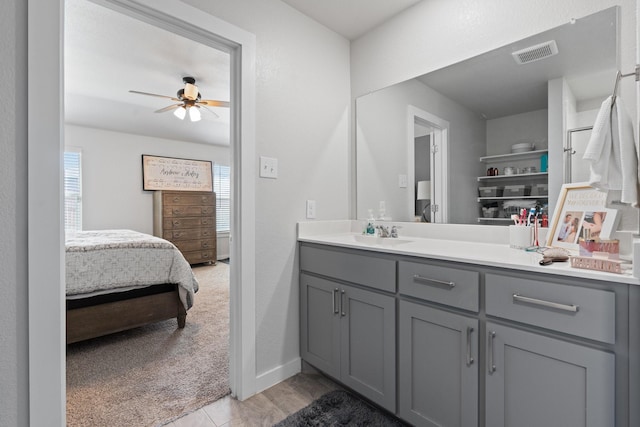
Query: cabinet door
[368, 350]
[535, 381]
[438, 367]
[319, 326]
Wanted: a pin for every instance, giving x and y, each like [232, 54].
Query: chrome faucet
[383, 231]
[394, 232]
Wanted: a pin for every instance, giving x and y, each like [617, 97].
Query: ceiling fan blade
[169, 108]
[209, 110]
[154, 94]
[213, 103]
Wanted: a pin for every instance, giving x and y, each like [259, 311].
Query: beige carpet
[154, 374]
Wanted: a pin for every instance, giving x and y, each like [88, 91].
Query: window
[222, 187]
[72, 191]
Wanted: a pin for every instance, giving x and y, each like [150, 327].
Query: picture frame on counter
[176, 174]
[580, 212]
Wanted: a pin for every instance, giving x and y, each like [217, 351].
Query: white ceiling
[351, 18]
[106, 54]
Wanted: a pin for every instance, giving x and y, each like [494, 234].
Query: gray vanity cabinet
[437, 367]
[534, 380]
[349, 333]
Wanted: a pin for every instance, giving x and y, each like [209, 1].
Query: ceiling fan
[188, 100]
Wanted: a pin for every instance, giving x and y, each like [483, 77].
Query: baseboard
[278, 374]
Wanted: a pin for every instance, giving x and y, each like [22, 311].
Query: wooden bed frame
[106, 314]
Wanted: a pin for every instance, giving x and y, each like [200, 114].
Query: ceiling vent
[535, 53]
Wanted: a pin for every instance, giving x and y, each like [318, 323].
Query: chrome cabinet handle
[436, 282]
[342, 312]
[469, 358]
[565, 307]
[492, 366]
[335, 306]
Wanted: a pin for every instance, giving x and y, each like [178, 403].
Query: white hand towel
[612, 152]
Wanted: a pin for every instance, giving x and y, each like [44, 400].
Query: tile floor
[264, 409]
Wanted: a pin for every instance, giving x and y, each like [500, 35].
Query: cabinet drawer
[195, 245]
[379, 273]
[198, 257]
[187, 234]
[187, 199]
[191, 222]
[588, 313]
[444, 285]
[180, 210]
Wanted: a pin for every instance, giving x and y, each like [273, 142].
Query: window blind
[72, 191]
[222, 187]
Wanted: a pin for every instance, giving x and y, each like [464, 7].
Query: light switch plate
[402, 181]
[311, 209]
[268, 167]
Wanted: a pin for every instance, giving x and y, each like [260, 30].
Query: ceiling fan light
[194, 114]
[190, 91]
[180, 112]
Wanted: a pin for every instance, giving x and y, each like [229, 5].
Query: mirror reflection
[469, 143]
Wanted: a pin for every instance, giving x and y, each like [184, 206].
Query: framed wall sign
[580, 212]
[169, 173]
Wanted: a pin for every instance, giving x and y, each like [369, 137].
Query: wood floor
[264, 409]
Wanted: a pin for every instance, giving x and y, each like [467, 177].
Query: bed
[122, 279]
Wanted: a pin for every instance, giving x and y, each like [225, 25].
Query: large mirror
[436, 148]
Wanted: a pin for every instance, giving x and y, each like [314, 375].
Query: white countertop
[340, 233]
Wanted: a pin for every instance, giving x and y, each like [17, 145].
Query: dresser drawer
[379, 273]
[187, 210]
[445, 285]
[191, 222]
[189, 233]
[195, 245]
[186, 198]
[584, 312]
[197, 257]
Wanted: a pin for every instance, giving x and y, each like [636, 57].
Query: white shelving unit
[514, 179]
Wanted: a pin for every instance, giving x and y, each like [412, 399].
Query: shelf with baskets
[502, 189]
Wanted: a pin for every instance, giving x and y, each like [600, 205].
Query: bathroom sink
[379, 241]
[393, 241]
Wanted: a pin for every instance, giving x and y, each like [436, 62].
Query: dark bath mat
[339, 408]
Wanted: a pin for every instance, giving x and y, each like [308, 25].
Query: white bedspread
[119, 260]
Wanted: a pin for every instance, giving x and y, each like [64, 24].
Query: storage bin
[540, 190]
[516, 190]
[490, 212]
[490, 191]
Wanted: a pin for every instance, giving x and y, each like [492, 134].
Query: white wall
[503, 132]
[383, 152]
[112, 174]
[302, 119]
[13, 215]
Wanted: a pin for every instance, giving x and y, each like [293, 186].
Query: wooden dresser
[188, 220]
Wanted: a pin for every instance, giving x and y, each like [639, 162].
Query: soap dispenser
[371, 229]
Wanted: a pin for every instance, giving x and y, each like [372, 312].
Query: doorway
[46, 258]
[432, 192]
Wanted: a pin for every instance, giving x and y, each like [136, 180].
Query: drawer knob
[550, 304]
[429, 281]
[177, 211]
[205, 244]
[205, 255]
[176, 222]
